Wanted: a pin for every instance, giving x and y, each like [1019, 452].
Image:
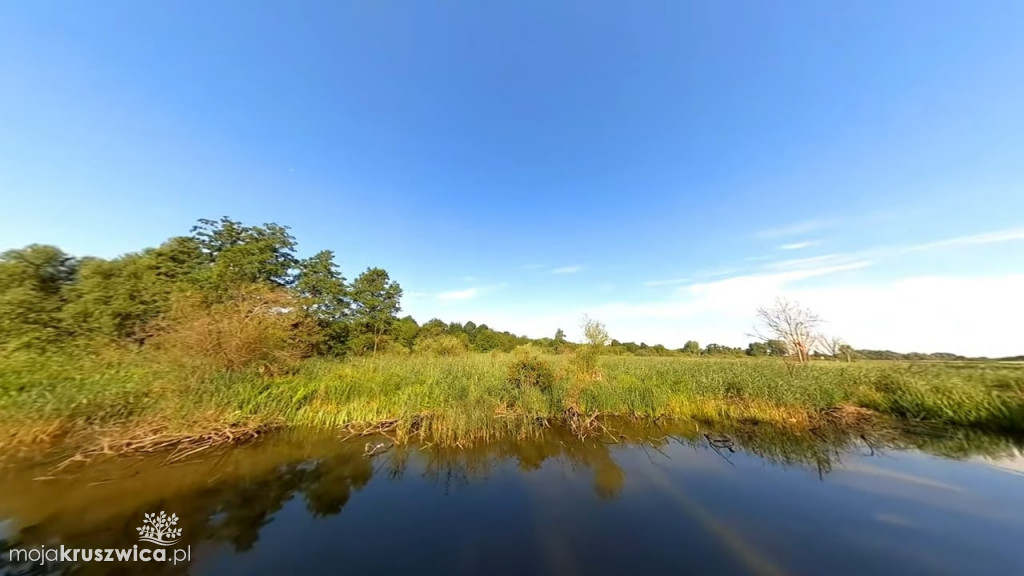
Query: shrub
[256, 328]
[584, 363]
[528, 371]
[441, 345]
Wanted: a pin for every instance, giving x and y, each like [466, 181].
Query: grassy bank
[131, 402]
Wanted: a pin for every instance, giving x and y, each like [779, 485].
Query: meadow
[132, 402]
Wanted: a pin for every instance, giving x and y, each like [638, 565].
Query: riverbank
[129, 402]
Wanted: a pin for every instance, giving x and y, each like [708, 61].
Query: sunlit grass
[465, 398]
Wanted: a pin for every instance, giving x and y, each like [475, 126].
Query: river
[660, 499]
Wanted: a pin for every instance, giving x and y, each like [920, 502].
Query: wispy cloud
[793, 229]
[985, 238]
[667, 282]
[810, 262]
[718, 272]
[798, 245]
[469, 293]
[466, 294]
[568, 269]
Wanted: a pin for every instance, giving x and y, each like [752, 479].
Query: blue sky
[665, 167]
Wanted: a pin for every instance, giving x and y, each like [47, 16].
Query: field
[127, 402]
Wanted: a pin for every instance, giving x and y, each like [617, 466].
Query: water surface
[658, 499]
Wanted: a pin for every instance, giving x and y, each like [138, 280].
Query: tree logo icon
[157, 529]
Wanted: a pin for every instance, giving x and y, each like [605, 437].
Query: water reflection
[227, 500]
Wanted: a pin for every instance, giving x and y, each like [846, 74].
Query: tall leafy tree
[376, 302]
[237, 254]
[407, 331]
[120, 298]
[33, 291]
[323, 291]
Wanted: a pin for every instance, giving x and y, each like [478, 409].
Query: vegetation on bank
[221, 334]
[138, 404]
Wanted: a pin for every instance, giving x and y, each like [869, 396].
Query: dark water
[676, 501]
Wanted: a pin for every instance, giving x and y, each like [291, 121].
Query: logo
[158, 529]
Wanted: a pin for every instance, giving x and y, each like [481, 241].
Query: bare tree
[594, 332]
[792, 324]
[836, 347]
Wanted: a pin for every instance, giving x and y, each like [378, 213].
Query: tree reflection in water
[228, 499]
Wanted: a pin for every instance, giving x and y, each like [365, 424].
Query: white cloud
[965, 315]
[986, 238]
[973, 315]
[458, 294]
[469, 293]
[567, 269]
[793, 229]
[667, 282]
[809, 262]
[798, 245]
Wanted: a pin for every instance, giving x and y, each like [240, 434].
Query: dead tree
[836, 348]
[794, 325]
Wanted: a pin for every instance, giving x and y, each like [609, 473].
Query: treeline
[239, 294]
[225, 289]
[916, 356]
[234, 295]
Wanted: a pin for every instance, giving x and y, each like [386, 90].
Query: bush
[584, 363]
[441, 345]
[256, 328]
[528, 371]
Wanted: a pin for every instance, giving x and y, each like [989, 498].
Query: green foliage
[376, 301]
[239, 254]
[48, 298]
[471, 396]
[116, 299]
[406, 332]
[583, 362]
[777, 348]
[720, 350]
[594, 332]
[442, 345]
[758, 349]
[325, 298]
[33, 290]
[527, 370]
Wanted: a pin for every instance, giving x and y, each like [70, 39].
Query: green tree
[758, 349]
[433, 328]
[325, 297]
[406, 331]
[777, 348]
[33, 291]
[691, 347]
[486, 340]
[237, 254]
[594, 332]
[117, 299]
[376, 302]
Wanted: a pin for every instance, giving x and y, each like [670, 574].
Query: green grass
[129, 400]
